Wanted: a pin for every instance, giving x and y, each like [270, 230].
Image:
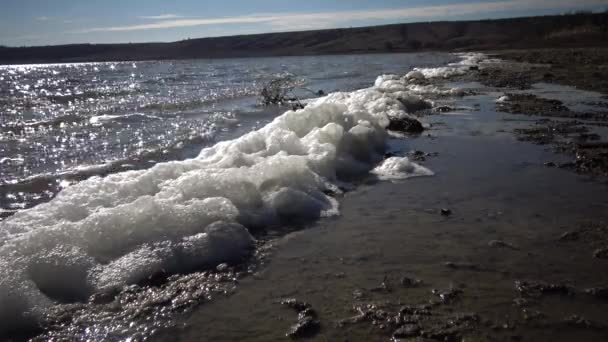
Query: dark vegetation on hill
[572, 30]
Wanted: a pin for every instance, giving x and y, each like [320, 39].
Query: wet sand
[518, 254]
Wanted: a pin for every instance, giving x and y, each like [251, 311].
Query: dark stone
[410, 282]
[408, 330]
[570, 236]
[442, 109]
[461, 265]
[601, 253]
[157, 279]
[449, 295]
[474, 67]
[550, 164]
[295, 304]
[600, 292]
[305, 327]
[535, 289]
[582, 322]
[405, 124]
[502, 244]
[104, 297]
[446, 212]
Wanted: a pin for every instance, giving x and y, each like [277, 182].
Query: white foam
[118, 230]
[399, 168]
[502, 99]
[454, 69]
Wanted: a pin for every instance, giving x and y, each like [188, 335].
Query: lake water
[71, 121]
[136, 196]
[113, 172]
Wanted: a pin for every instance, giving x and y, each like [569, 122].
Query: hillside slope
[575, 30]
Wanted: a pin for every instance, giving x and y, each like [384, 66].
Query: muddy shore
[507, 242]
[570, 131]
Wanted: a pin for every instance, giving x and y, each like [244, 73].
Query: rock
[442, 109]
[600, 292]
[410, 282]
[474, 67]
[408, 330]
[295, 304]
[502, 244]
[358, 294]
[222, 267]
[582, 322]
[446, 212]
[601, 253]
[530, 315]
[104, 297]
[405, 124]
[461, 265]
[569, 236]
[449, 295]
[309, 312]
[535, 289]
[305, 327]
[418, 156]
[550, 164]
[415, 75]
[383, 286]
[157, 279]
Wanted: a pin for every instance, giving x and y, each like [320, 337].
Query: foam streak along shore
[181, 216]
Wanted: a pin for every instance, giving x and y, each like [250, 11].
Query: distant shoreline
[571, 30]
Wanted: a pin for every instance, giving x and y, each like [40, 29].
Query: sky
[51, 22]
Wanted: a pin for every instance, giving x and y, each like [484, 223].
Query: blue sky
[49, 22]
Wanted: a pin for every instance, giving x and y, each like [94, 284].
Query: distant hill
[573, 30]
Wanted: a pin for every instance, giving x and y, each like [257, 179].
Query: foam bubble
[454, 69]
[399, 168]
[110, 232]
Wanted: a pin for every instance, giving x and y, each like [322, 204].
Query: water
[70, 121]
[190, 168]
[128, 249]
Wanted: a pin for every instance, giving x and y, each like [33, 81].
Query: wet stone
[295, 304]
[407, 330]
[502, 244]
[462, 265]
[305, 327]
[442, 109]
[601, 253]
[447, 296]
[410, 282]
[405, 124]
[222, 267]
[446, 212]
[383, 286]
[529, 314]
[358, 294]
[600, 292]
[535, 289]
[582, 322]
[570, 236]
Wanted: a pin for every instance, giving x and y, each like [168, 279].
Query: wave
[177, 216]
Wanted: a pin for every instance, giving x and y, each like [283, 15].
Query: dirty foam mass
[180, 216]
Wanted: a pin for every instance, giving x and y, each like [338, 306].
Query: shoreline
[516, 258]
[360, 271]
[569, 30]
